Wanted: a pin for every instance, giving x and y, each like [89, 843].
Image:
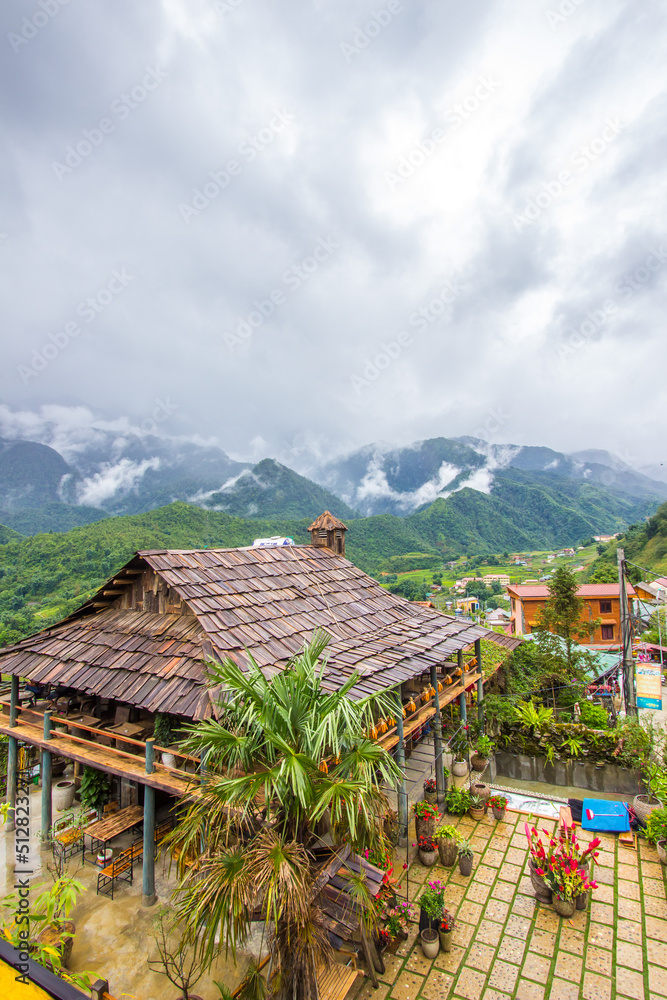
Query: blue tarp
[605, 815]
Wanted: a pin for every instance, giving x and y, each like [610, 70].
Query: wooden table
[134, 730]
[105, 830]
[85, 720]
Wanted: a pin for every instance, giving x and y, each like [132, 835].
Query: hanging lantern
[324, 767]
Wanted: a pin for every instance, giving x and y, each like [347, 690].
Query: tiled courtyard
[507, 945]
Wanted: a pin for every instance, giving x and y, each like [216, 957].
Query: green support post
[47, 809]
[148, 897]
[402, 792]
[12, 754]
[437, 740]
[462, 696]
[480, 685]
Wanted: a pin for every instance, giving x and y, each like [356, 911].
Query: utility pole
[626, 639]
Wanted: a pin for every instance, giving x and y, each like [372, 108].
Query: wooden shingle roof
[182, 607]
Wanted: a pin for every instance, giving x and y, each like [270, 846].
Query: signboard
[649, 686]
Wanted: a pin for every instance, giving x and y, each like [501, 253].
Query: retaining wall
[607, 778]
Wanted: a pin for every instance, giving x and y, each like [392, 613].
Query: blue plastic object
[604, 814]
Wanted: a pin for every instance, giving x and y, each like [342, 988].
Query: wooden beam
[112, 592]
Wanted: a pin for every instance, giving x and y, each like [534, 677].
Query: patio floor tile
[480, 957]
[503, 976]
[449, 961]
[571, 940]
[536, 967]
[418, 963]
[628, 930]
[392, 967]
[630, 984]
[568, 967]
[657, 953]
[470, 984]
[599, 960]
[407, 986]
[596, 987]
[561, 989]
[490, 932]
[543, 942]
[512, 950]
[438, 984]
[527, 990]
[504, 891]
[630, 955]
[601, 935]
[657, 980]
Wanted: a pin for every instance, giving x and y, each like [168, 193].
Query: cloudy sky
[319, 223]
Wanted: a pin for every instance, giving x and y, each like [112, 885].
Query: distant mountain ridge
[459, 494]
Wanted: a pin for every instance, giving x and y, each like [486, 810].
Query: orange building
[601, 600]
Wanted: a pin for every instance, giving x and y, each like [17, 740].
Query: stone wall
[589, 777]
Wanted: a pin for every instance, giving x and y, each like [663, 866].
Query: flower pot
[431, 797]
[478, 763]
[430, 942]
[448, 851]
[662, 851]
[476, 813]
[465, 864]
[459, 768]
[52, 935]
[424, 827]
[426, 922]
[581, 901]
[499, 814]
[484, 792]
[564, 907]
[446, 940]
[644, 806]
[63, 795]
[542, 893]
[428, 858]
[168, 759]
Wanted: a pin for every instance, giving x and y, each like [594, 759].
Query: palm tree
[286, 757]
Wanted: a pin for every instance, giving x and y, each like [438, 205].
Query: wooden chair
[120, 868]
[110, 808]
[335, 982]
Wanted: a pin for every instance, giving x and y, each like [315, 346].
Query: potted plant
[428, 851]
[53, 907]
[383, 940]
[430, 790]
[430, 942]
[465, 856]
[178, 957]
[476, 807]
[446, 929]
[644, 805]
[459, 746]
[498, 804]
[397, 919]
[163, 734]
[94, 792]
[480, 758]
[432, 903]
[457, 801]
[425, 816]
[656, 832]
[446, 839]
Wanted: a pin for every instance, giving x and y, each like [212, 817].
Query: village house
[656, 590]
[90, 689]
[601, 601]
[501, 578]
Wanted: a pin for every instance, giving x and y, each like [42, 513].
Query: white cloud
[113, 480]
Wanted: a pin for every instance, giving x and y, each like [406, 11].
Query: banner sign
[649, 686]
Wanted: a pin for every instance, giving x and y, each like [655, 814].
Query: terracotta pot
[662, 851]
[465, 864]
[499, 814]
[448, 851]
[446, 940]
[581, 901]
[424, 827]
[542, 893]
[459, 768]
[644, 806]
[63, 795]
[430, 942]
[478, 763]
[476, 813]
[564, 907]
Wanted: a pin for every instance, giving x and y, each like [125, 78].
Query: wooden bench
[120, 868]
[335, 982]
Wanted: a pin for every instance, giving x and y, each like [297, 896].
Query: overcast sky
[317, 224]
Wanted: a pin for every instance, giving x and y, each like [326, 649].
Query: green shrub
[656, 826]
[594, 716]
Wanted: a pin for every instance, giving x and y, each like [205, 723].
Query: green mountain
[8, 534]
[270, 489]
[645, 545]
[52, 516]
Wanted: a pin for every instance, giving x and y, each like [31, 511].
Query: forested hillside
[645, 545]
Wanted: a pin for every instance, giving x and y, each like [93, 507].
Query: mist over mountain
[473, 491]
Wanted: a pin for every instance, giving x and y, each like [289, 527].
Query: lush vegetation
[644, 543]
[285, 756]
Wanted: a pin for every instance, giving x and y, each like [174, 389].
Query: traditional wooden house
[601, 604]
[140, 647]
